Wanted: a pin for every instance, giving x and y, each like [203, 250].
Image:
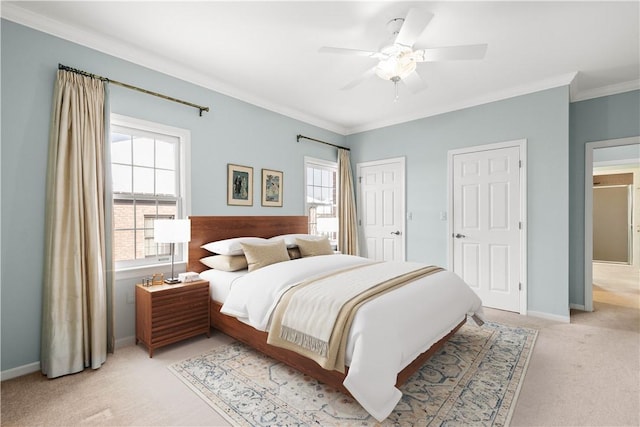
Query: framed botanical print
[272, 188]
[239, 185]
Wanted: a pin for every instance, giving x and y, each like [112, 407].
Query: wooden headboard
[205, 229]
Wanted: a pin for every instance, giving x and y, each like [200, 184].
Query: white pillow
[231, 246]
[225, 262]
[290, 239]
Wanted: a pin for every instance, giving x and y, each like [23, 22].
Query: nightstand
[169, 313]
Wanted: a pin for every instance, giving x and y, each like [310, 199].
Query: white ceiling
[266, 52]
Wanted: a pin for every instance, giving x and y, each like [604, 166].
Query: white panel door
[381, 189]
[486, 224]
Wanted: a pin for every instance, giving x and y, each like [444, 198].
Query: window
[148, 175]
[321, 202]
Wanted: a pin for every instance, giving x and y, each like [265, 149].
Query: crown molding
[107, 45]
[605, 91]
[550, 83]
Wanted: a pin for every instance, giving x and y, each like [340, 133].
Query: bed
[205, 229]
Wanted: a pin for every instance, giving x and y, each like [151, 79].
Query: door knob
[397, 233]
[459, 236]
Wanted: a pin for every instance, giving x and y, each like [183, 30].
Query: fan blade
[414, 24]
[346, 51]
[414, 82]
[453, 53]
[369, 73]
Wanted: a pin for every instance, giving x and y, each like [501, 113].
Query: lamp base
[173, 281]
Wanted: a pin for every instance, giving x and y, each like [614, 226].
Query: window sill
[148, 270]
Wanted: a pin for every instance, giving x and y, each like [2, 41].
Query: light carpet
[473, 380]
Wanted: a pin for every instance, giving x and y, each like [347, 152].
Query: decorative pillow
[290, 239]
[231, 246]
[294, 253]
[263, 254]
[225, 262]
[314, 247]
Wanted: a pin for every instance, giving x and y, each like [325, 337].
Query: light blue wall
[543, 119]
[233, 132]
[599, 119]
[622, 154]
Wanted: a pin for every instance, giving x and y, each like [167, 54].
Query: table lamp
[172, 231]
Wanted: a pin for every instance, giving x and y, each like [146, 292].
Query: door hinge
[519, 163]
[359, 222]
[519, 225]
[359, 180]
[519, 286]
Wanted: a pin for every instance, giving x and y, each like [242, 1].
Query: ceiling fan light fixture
[395, 67]
[397, 60]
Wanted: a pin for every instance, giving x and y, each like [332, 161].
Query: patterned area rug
[473, 380]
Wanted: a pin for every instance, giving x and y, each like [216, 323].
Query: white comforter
[387, 333]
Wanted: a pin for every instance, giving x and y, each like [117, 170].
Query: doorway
[605, 158]
[612, 217]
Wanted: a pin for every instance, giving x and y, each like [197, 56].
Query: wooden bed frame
[205, 229]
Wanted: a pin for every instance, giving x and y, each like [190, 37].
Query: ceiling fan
[397, 58]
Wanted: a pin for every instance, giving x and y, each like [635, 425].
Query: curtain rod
[128, 86]
[298, 137]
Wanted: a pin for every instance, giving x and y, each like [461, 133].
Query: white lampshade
[171, 230]
[327, 225]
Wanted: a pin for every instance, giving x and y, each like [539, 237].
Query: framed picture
[271, 188]
[239, 185]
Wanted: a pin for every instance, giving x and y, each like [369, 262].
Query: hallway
[616, 284]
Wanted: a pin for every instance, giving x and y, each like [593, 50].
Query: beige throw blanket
[314, 317]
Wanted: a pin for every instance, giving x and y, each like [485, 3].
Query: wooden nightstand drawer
[169, 313]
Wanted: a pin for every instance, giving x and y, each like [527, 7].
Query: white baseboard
[543, 315]
[20, 371]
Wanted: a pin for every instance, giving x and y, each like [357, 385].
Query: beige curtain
[78, 266]
[347, 227]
